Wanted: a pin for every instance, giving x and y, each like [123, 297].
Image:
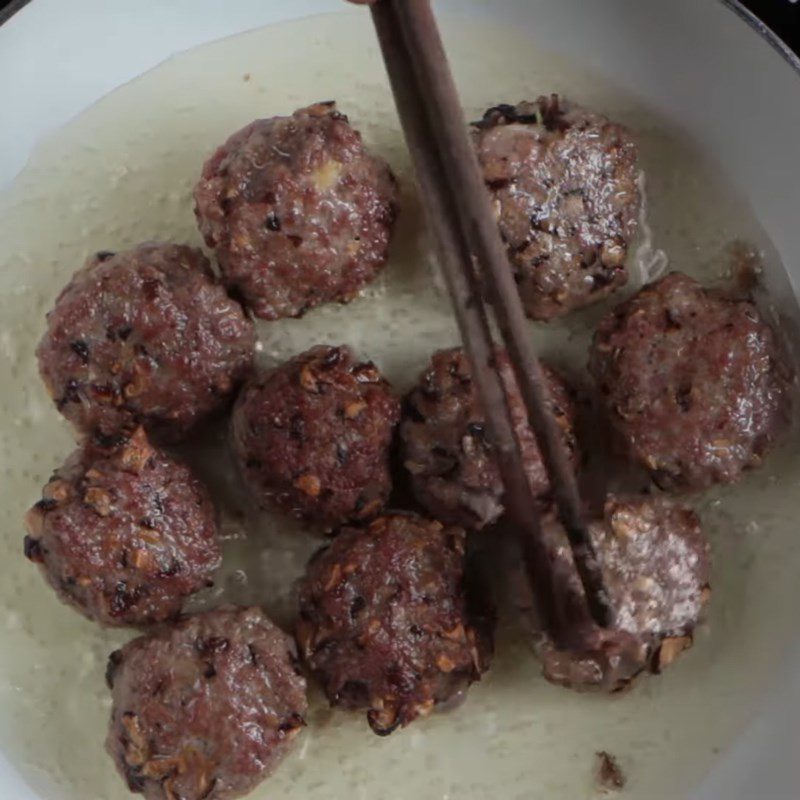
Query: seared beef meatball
[144, 336]
[313, 436]
[445, 446]
[385, 623]
[564, 187]
[206, 709]
[656, 567]
[298, 212]
[124, 535]
[692, 382]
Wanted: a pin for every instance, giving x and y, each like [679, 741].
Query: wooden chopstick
[472, 256]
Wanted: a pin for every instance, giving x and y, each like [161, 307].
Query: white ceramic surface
[695, 60]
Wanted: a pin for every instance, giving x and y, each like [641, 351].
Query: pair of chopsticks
[473, 260]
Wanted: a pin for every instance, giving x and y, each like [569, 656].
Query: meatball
[445, 447]
[656, 566]
[692, 382]
[124, 535]
[206, 709]
[298, 212]
[385, 623]
[144, 336]
[313, 436]
[564, 184]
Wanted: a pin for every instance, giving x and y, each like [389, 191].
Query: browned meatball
[692, 382]
[563, 181]
[124, 535]
[445, 447]
[313, 436]
[206, 709]
[385, 623]
[656, 565]
[144, 336]
[299, 213]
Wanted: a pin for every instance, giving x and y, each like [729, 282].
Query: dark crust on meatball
[144, 336]
[313, 437]
[445, 443]
[124, 535]
[206, 709]
[693, 382]
[298, 212]
[385, 623]
[656, 566]
[564, 185]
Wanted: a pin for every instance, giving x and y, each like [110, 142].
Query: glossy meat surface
[145, 336]
[313, 436]
[446, 448]
[692, 381]
[656, 566]
[563, 181]
[385, 621]
[124, 535]
[298, 212]
[204, 710]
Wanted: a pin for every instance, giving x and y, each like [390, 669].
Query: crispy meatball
[313, 436]
[206, 709]
[692, 382]
[564, 186]
[124, 535]
[656, 566]
[445, 447]
[144, 336]
[298, 212]
[385, 623]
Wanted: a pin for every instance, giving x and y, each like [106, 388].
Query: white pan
[715, 102]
